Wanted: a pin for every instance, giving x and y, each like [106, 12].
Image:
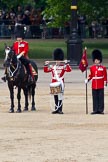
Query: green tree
[60, 10]
[40, 3]
[8, 4]
[93, 9]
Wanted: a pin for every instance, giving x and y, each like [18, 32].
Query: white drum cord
[53, 106]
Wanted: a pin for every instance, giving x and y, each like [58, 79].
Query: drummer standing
[58, 70]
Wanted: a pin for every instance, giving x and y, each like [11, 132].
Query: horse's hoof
[18, 111]
[25, 109]
[33, 109]
[11, 111]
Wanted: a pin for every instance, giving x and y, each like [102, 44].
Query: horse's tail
[29, 92]
[34, 65]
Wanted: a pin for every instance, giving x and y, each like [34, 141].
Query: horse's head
[10, 57]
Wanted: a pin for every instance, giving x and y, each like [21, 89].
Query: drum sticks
[64, 61]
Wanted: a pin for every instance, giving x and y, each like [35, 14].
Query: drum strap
[56, 75]
[58, 79]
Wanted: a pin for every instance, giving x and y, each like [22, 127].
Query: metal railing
[44, 32]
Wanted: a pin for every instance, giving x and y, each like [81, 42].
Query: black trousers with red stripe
[98, 100]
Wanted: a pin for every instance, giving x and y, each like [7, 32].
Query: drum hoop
[55, 84]
[55, 88]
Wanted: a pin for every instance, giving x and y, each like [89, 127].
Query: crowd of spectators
[29, 18]
[96, 29]
[32, 20]
[35, 25]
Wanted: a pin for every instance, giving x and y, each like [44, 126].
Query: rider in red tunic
[21, 48]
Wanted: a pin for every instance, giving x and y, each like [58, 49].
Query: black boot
[60, 112]
[55, 112]
[4, 78]
[30, 79]
[56, 109]
[60, 108]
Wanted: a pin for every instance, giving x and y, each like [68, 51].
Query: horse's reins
[13, 72]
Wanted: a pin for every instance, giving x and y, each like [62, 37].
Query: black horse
[16, 76]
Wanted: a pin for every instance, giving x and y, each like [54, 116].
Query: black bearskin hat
[96, 54]
[20, 32]
[20, 35]
[58, 54]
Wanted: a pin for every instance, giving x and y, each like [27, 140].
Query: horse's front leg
[33, 108]
[11, 89]
[19, 98]
[25, 91]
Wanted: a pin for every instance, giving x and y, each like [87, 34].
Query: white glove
[105, 84]
[18, 56]
[66, 61]
[46, 62]
[86, 81]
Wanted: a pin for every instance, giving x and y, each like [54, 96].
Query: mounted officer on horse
[20, 72]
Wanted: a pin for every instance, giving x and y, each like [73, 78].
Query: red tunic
[19, 47]
[60, 69]
[98, 74]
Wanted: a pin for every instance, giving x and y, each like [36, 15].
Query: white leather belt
[97, 77]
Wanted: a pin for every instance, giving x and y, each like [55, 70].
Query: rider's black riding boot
[30, 79]
[30, 72]
[3, 78]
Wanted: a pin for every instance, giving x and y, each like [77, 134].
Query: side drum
[55, 88]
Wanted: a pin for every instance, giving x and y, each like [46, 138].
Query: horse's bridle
[11, 73]
[12, 70]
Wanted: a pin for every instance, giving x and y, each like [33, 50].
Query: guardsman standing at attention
[98, 75]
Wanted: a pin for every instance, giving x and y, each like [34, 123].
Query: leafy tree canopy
[61, 12]
[8, 4]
